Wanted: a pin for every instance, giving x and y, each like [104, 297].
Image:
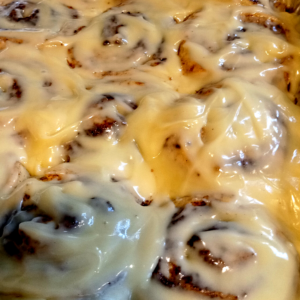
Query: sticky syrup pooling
[149, 150]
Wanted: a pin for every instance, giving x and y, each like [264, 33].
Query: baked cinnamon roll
[270, 135]
[21, 75]
[36, 97]
[229, 43]
[104, 120]
[72, 241]
[222, 250]
[220, 131]
[116, 41]
[37, 16]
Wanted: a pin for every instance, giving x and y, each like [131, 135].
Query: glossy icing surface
[149, 150]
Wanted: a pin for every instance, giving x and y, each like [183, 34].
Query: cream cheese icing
[218, 250]
[146, 105]
[77, 239]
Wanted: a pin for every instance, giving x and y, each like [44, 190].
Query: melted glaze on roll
[222, 250]
[114, 111]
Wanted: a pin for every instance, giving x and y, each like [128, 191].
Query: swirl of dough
[106, 114]
[116, 41]
[74, 240]
[232, 40]
[11, 90]
[21, 75]
[104, 117]
[255, 134]
[41, 101]
[223, 250]
[35, 15]
[230, 128]
[211, 29]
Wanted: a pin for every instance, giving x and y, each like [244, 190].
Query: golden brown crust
[283, 7]
[50, 177]
[177, 279]
[267, 21]
[208, 90]
[4, 39]
[188, 65]
[72, 61]
[197, 200]
[202, 199]
[190, 16]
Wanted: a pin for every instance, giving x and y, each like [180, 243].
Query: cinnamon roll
[74, 241]
[116, 41]
[37, 16]
[272, 135]
[223, 250]
[220, 131]
[229, 44]
[36, 97]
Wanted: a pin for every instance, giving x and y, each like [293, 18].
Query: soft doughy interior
[117, 115]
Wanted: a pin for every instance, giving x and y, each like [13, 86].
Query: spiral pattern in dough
[72, 241]
[223, 250]
[116, 41]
